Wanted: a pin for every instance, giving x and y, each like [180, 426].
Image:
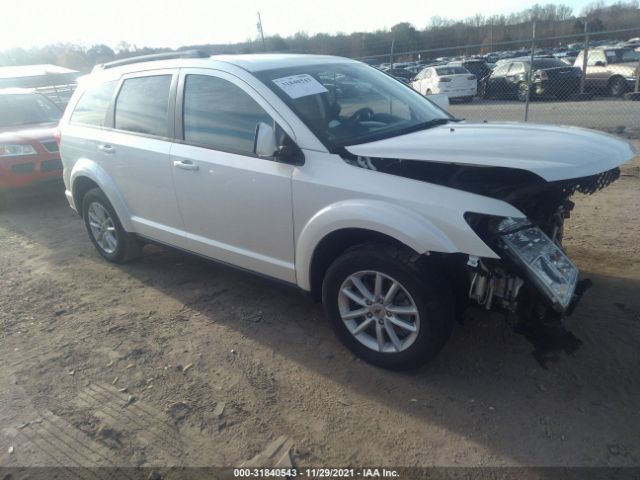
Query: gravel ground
[174, 360]
[614, 115]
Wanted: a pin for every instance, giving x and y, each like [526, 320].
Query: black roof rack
[153, 57]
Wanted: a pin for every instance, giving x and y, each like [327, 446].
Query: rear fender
[93, 171]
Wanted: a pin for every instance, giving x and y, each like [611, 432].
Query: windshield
[350, 103]
[625, 55]
[27, 109]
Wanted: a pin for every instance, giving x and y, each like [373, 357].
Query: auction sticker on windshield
[297, 86]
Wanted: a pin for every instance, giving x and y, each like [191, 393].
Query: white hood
[553, 153]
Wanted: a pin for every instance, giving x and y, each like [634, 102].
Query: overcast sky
[164, 23]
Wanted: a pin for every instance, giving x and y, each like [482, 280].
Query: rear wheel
[388, 307]
[617, 87]
[428, 92]
[105, 229]
[523, 91]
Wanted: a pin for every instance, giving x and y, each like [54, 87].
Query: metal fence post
[393, 42]
[638, 77]
[530, 76]
[585, 55]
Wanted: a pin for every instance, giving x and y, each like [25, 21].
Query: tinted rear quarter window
[220, 115]
[451, 71]
[143, 105]
[91, 109]
[548, 63]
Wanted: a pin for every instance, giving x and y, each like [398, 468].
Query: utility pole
[261, 32]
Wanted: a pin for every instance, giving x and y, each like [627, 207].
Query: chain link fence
[586, 80]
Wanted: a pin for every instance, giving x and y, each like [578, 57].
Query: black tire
[522, 92]
[425, 284]
[128, 247]
[428, 92]
[617, 87]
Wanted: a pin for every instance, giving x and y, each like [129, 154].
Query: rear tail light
[542, 75]
[57, 136]
[444, 80]
[471, 77]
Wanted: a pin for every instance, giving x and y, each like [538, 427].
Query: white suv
[325, 173]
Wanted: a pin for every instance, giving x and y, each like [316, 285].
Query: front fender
[400, 223]
[87, 168]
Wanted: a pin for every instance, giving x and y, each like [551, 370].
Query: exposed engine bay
[534, 279]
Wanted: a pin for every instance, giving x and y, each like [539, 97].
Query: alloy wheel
[102, 228]
[378, 311]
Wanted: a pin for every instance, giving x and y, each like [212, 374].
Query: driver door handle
[185, 165]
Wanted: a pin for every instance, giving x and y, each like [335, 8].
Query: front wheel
[387, 306]
[617, 87]
[105, 229]
[523, 92]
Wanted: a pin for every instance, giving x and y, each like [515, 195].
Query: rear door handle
[185, 165]
[106, 149]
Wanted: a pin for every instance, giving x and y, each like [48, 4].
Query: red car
[28, 148]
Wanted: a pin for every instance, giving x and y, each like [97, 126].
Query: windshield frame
[267, 76]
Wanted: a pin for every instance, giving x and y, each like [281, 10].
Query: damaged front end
[533, 278]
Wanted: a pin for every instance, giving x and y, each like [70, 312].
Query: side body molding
[93, 171]
[403, 224]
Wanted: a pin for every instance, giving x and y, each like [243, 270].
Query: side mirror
[599, 64]
[266, 146]
[265, 143]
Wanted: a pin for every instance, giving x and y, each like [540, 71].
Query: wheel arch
[335, 244]
[339, 227]
[87, 175]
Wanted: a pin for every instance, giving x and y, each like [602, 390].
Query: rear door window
[451, 71]
[143, 105]
[92, 107]
[501, 70]
[220, 115]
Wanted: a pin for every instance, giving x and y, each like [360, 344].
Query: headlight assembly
[542, 261]
[546, 264]
[16, 150]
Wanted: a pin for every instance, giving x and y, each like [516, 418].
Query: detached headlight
[16, 150]
[546, 264]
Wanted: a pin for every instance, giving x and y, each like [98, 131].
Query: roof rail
[151, 58]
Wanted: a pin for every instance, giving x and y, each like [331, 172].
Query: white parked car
[329, 175]
[456, 82]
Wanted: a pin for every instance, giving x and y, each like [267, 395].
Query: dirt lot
[217, 364]
[603, 113]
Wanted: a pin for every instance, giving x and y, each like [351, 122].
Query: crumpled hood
[553, 153]
[27, 133]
